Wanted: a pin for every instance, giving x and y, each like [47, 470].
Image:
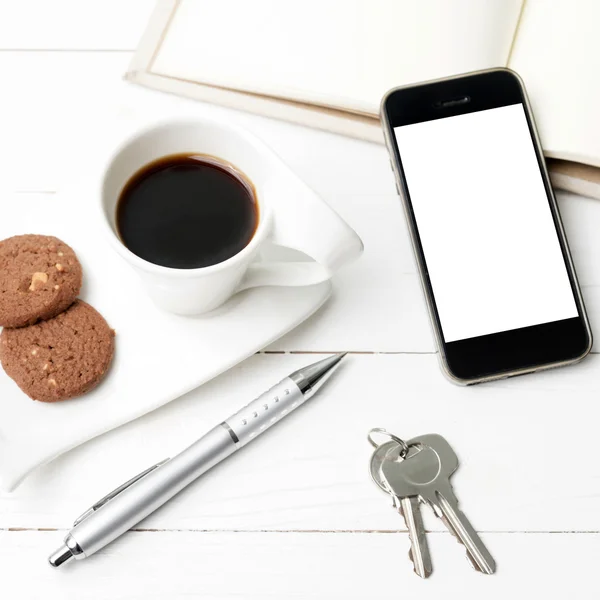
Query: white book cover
[327, 63]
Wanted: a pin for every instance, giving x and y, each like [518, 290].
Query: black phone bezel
[507, 352]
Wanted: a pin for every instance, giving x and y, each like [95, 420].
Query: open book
[327, 63]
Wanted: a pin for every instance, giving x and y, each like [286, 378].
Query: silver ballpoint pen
[131, 502]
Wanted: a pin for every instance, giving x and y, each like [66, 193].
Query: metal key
[427, 473]
[409, 508]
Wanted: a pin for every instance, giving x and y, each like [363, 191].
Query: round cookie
[60, 358]
[40, 277]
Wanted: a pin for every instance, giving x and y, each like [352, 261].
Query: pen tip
[332, 361]
[312, 377]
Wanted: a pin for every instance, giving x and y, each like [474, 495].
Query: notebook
[327, 63]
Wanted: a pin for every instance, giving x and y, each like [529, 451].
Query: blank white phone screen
[489, 240]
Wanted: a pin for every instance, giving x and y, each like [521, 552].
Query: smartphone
[491, 251]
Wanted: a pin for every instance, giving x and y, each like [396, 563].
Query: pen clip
[116, 492]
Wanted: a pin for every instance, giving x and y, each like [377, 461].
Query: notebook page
[338, 53]
[557, 52]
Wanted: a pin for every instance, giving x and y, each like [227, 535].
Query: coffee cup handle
[303, 221]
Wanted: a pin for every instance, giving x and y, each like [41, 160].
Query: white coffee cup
[290, 215]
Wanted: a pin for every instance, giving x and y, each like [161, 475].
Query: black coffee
[185, 212]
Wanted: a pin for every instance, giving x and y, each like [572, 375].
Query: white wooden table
[296, 515]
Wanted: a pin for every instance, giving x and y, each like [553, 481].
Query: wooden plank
[178, 565]
[59, 114]
[57, 105]
[72, 24]
[516, 440]
[54, 120]
[377, 304]
[49, 114]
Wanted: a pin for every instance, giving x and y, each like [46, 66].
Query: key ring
[403, 445]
